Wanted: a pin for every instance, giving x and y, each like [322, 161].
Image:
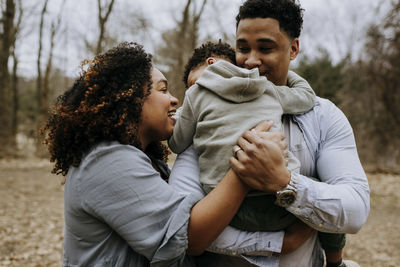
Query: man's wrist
[285, 181]
[287, 196]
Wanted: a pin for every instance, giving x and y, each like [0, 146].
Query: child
[226, 101]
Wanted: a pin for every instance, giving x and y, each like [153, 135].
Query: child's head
[206, 55]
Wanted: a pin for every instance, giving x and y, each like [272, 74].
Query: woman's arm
[185, 179]
[213, 213]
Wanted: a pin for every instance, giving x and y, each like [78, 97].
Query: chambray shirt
[119, 212]
[322, 139]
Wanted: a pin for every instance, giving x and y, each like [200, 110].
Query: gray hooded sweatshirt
[227, 101]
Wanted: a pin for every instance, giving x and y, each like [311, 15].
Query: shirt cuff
[234, 242]
[305, 195]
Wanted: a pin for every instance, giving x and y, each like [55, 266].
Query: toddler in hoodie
[224, 102]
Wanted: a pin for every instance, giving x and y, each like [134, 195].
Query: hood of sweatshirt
[233, 83]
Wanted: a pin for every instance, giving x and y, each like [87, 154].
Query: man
[322, 139]
[267, 39]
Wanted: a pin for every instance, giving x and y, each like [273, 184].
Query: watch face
[286, 198]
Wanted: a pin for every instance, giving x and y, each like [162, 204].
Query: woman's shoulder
[114, 152]
[111, 160]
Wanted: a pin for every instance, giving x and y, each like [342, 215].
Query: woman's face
[157, 121]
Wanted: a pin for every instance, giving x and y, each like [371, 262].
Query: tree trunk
[7, 139]
[15, 98]
[102, 23]
[14, 76]
[40, 94]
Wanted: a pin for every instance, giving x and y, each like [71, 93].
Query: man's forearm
[341, 208]
[184, 178]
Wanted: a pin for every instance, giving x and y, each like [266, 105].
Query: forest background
[350, 54]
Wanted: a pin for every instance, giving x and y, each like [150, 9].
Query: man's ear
[210, 61]
[294, 48]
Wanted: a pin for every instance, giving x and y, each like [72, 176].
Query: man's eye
[244, 49]
[265, 49]
[164, 90]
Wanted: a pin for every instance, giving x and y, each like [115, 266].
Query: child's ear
[210, 61]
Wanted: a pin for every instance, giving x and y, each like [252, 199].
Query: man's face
[260, 43]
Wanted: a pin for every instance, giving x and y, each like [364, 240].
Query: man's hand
[295, 236]
[260, 163]
[263, 131]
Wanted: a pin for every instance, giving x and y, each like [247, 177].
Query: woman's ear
[210, 61]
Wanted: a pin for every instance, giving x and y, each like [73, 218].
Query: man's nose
[253, 61]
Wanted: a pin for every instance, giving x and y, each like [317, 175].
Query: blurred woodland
[366, 86]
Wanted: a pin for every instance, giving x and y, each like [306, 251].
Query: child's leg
[259, 213]
[333, 245]
[333, 259]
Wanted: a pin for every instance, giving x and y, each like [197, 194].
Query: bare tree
[372, 93]
[43, 82]
[180, 43]
[7, 139]
[383, 51]
[104, 13]
[55, 26]
[14, 76]
[41, 105]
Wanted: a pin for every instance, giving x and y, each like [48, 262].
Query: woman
[105, 135]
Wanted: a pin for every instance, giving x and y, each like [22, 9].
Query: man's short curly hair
[104, 104]
[205, 51]
[288, 12]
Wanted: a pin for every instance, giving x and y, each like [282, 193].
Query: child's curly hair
[206, 50]
[104, 104]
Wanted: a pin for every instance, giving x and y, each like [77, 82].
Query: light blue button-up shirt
[119, 212]
[322, 139]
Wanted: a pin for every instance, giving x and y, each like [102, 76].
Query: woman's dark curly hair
[287, 12]
[104, 104]
[205, 51]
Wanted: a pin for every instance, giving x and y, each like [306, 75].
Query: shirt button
[297, 209]
[234, 253]
[320, 225]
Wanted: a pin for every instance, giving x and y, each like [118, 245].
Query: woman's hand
[295, 236]
[260, 163]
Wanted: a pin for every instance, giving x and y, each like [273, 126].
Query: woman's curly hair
[104, 104]
[288, 12]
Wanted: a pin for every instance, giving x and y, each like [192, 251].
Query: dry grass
[31, 218]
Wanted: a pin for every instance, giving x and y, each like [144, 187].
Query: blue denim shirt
[322, 139]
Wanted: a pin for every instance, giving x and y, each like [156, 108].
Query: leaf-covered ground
[31, 218]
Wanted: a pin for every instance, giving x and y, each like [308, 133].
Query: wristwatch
[287, 195]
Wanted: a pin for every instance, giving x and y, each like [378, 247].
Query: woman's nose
[174, 100]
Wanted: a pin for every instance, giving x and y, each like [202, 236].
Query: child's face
[195, 73]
